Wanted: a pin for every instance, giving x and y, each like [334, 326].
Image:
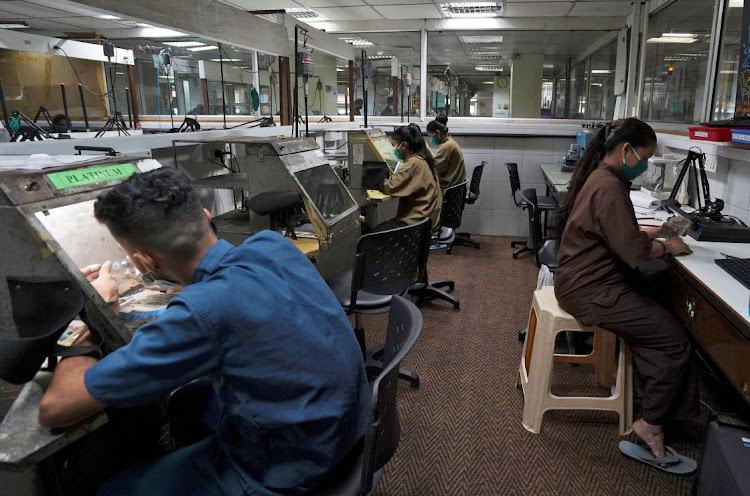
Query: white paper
[40, 161]
[644, 200]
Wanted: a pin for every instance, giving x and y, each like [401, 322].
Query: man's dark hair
[158, 210]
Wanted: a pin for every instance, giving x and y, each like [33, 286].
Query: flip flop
[675, 463]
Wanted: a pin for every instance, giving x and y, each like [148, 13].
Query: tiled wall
[495, 213]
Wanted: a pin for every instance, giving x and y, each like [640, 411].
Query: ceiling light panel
[488, 68]
[14, 25]
[472, 9]
[203, 48]
[302, 13]
[357, 42]
[185, 44]
[469, 40]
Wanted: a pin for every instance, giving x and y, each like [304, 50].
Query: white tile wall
[495, 213]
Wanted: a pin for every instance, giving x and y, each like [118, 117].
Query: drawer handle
[690, 308]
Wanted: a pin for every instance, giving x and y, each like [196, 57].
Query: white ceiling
[356, 10]
[47, 15]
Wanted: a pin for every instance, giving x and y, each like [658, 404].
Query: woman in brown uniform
[449, 160]
[600, 248]
[414, 183]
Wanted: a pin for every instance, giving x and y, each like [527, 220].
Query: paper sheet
[644, 200]
[41, 161]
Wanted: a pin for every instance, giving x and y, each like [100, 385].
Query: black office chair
[423, 290]
[451, 213]
[545, 250]
[359, 473]
[386, 264]
[546, 203]
[472, 195]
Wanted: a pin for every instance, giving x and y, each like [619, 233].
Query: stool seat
[447, 235]
[546, 320]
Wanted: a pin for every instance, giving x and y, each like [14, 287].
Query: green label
[82, 177]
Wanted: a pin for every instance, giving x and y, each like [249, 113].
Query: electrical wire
[79, 77]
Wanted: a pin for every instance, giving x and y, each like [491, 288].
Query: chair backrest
[536, 238]
[476, 179]
[384, 429]
[388, 262]
[515, 180]
[453, 206]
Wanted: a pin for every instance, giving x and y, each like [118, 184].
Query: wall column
[526, 85]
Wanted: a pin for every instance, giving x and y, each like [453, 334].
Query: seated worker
[358, 104]
[60, 124]
[255, 320]
[388, 109]
[449, 160]
[600, 248]
[414, 183]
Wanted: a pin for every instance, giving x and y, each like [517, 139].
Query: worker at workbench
[449, 160]
[289, 390]
[414, 182]
[600, 247]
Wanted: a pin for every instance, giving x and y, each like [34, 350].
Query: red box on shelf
[707, 133]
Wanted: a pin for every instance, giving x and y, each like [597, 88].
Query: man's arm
[67, 401]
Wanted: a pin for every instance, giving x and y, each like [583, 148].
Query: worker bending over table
[601, 246]
[449, 160]
[414, 182]
[288, 397]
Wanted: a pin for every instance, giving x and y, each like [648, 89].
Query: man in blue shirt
[256, 320]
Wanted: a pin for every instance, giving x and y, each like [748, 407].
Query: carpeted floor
[462, 432]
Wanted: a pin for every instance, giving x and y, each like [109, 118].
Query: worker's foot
[651, 435]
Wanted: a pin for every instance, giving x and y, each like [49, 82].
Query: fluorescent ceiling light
[160, 33]
[107, 17]
[601, 71]
[728, 72]
[144, 25]
[303, 13]
[380, 57]
[472, 9]
[736, 4]
[480, 39]
[226, 60]
[203, 48]
[548, 66]
[488, 82]
[340, 69]
[184, 44]
[671, 39]
[14, 25]
[596, 84]
[357, 42]
[680, 35]
[488, 68]
[473, 99]
[482, 55]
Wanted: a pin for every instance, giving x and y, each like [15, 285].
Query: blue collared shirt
[262, 325]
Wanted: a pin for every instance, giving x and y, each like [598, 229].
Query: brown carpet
[462, 432]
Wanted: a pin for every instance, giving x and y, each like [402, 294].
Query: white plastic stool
[535, 372]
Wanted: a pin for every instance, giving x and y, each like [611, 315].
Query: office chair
[423, 289]
[546, 203]
[451, 213]
[386, 264]
[472, 195]
[361, 470]
[545, 250]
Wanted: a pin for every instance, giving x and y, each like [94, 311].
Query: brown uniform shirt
[601, 241]
[417, 189]
[449, 164]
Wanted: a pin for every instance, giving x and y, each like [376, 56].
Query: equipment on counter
[571, 158]
[305, 67]
[25, 129]
[739, 268]
[708, 221]
[271, 175]
[188, 124]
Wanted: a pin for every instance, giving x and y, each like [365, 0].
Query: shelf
[236, 180]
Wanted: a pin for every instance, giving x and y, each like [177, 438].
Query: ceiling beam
[580, 23]
[210, 19]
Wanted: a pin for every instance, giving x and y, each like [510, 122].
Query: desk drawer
[723, 342]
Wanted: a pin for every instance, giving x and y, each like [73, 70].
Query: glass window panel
[561, 84]
[32, 80]
[602, 84]
[677, 61]
[578, 91]
[729, 59]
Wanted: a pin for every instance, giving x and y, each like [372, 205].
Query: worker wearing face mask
[414, 183]
[601, 246]
[449, 160]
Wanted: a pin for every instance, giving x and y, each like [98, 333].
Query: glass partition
[601, 101]
[32, 80]
[678, 43]
[729, 59]
[579, 86]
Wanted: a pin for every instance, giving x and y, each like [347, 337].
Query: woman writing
[600, 247]
[449, 160]
[414, 183]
